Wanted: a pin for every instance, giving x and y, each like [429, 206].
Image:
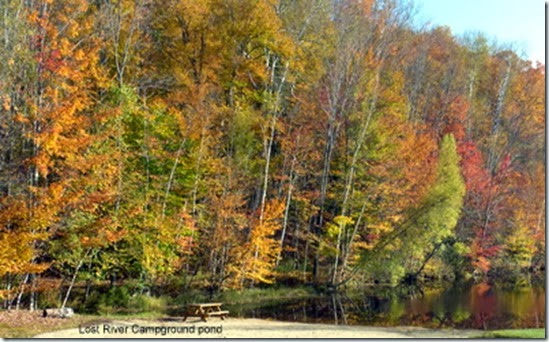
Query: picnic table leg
[204, 314]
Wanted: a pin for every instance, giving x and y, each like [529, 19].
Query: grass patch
[264, 295]
[515, 333]
[145, 303]
[126, 314]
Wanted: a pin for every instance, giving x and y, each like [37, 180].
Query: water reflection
[479, 306]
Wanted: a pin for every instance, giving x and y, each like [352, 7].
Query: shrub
[116, 297]
[144, 303]
[49, 299]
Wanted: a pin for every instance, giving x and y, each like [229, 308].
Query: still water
[473, 307]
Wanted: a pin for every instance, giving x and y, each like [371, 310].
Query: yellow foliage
[257, 258]
[17, 253]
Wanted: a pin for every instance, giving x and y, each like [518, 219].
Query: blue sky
[517, 22]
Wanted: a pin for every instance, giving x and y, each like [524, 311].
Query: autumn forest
[231, 144]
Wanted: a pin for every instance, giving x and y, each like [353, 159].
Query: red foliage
[455, 118]
[483, 203]
[477, 178]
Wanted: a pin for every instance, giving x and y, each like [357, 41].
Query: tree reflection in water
[480, 306]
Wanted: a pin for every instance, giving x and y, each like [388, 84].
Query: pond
[478, 306]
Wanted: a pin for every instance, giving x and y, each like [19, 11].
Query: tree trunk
[73, 280]
[351, 173]
[269, 144]
[7, 304]
[266, 170]
[427, 258]
[286, 210]
[21, 291]
[496, 119]
[351, 238]
[171, 177]
[317, 224]
[197, 168]
[32, 294]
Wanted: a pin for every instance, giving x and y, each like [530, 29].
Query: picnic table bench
[205, 310]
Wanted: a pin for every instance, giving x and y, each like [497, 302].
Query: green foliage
[121, 300]
[427, 226]
[111, 301]
[145, 303]
[244, 140]
[339, 223]
[117, 297]
[439, 213]
[456, 255]
[441, 209]
[520, 247]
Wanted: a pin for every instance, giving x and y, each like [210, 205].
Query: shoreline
[245, 328]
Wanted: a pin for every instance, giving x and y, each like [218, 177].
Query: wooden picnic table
[204, 310]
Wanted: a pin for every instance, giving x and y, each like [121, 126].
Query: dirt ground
[245, 328]
[25, 323]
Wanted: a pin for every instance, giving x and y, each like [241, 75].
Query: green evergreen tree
[429, 226]
[442, 207]
[440, 212]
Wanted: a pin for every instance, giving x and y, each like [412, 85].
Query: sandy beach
[246, 328]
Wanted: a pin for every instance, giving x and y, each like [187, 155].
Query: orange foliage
[257, 257]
